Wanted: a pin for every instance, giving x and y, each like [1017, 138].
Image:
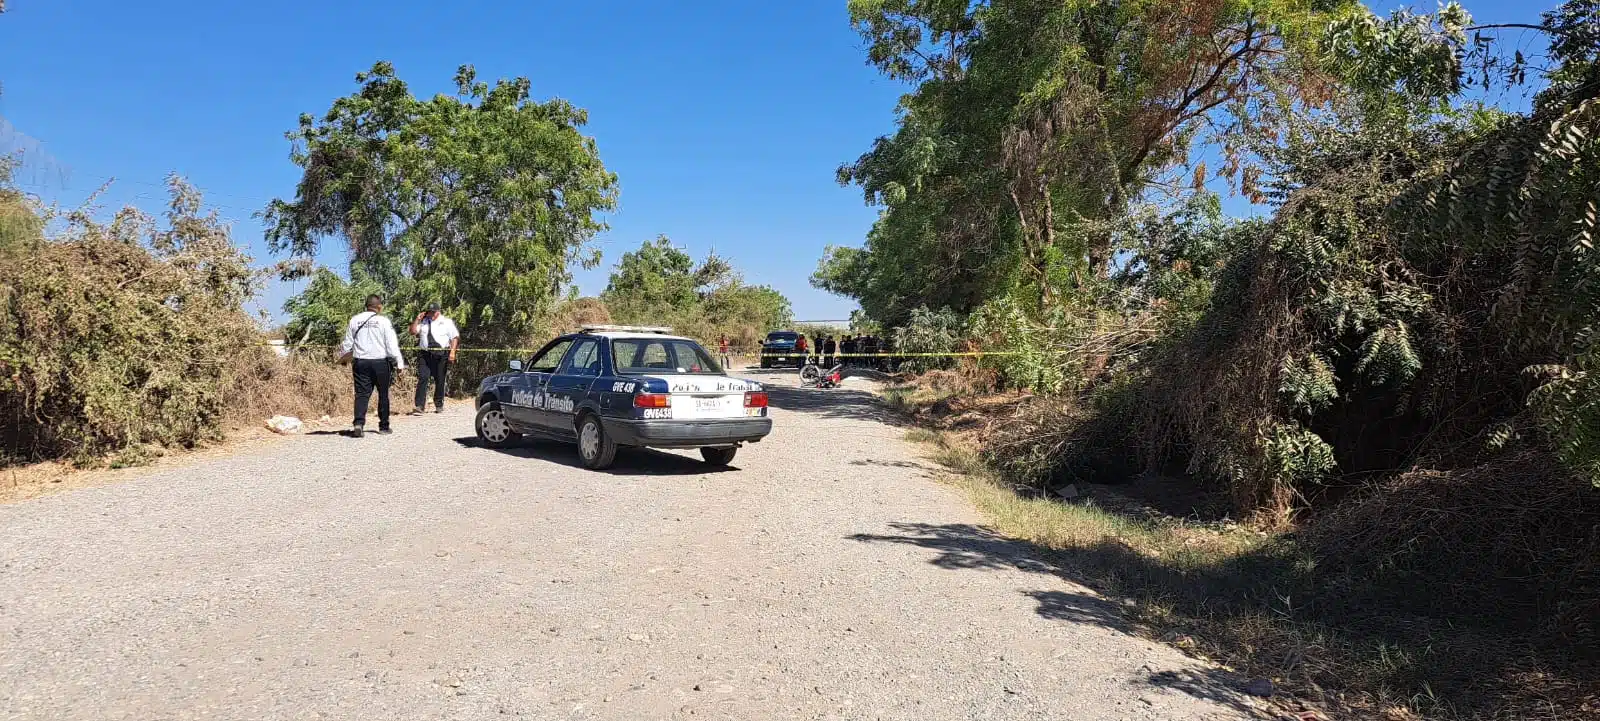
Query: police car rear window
[647, 356]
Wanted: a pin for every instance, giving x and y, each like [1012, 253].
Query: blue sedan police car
[610, 386]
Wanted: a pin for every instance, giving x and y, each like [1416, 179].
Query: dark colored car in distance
[783, 348]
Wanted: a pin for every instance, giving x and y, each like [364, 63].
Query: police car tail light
[652, 400]
[755, 399]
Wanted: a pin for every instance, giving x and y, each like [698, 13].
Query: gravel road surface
[418, 576]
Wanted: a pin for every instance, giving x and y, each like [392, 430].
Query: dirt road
[417, 576]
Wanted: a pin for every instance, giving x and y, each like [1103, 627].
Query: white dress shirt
[436, 334]
[371, 337]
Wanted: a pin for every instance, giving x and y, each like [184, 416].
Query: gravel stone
[304, 578]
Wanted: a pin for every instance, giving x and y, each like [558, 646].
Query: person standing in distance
[722, 350]
[437, 338]
[373, 350]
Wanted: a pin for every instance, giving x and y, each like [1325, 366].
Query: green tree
[319, 313]
[661, 284]
[745, 312]
[480, 200]
[1035, 122]
[660, 281]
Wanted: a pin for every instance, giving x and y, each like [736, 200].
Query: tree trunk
[1100, 259]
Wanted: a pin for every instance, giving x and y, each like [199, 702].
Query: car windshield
[646, 356]
[781, 336]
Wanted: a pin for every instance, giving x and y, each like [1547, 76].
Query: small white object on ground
[284, 424]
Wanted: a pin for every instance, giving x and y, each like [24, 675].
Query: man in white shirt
[371, 342]
[436, 340]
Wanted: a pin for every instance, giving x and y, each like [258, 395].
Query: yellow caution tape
[744, 354]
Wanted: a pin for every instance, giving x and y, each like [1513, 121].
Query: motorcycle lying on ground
[812, 375]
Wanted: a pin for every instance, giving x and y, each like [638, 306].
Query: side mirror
[516, 365]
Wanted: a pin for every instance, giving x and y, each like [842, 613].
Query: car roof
[629, 334]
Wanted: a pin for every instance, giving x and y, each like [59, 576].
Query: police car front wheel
[492, 427]
[596, 448]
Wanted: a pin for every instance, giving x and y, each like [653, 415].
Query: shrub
[117, 336]
[320, 314]
[929, 331]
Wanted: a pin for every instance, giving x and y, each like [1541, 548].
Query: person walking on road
[437, 338]
[373, 350]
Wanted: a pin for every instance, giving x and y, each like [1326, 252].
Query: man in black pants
[436, 343]
[374, 353]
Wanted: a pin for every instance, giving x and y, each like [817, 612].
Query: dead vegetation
[120, 341]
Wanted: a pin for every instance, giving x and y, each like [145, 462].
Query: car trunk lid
[706, 397]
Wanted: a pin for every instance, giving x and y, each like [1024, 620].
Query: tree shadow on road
[630, 461]
[1211, 684]
[835, 403]
[892, 464]
[766, 373]
[969, 547]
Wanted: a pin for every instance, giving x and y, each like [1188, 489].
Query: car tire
[765, 364]
[595, 448]
[718, 456]
[492, 427]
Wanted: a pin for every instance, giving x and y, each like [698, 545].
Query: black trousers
[371, 374]
[431, 364]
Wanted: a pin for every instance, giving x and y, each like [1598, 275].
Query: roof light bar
[627, 329]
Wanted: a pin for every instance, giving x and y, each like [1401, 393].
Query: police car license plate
[783, 357]
[724, 406]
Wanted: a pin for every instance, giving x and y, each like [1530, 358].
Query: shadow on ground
[782, 372]
[969, 547]
[1212, 684]
[766, 373]
[630, 461]
[893, 464]
[838, 403]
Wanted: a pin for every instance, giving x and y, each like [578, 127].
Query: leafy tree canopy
[479, 200]
[659, 279]
[660, 283]
[1034, 121]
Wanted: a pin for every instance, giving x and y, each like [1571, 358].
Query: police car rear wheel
[492, 427]
[718, 456]
[596, 449]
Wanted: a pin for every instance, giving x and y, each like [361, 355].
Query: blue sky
[725, 120]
